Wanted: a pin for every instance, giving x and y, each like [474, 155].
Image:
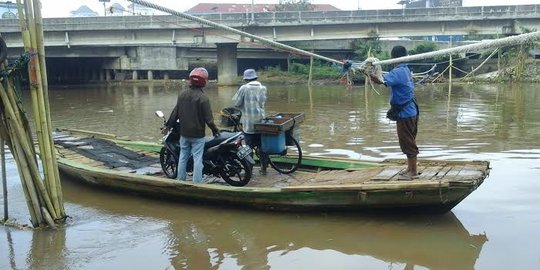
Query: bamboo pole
[42, 194]
[5, 133]
[367, 80]
[4, 178]
[499, 61]
[442, 73]
[57, 191]
[26, 147]
[29, 189]
[26, 20]
[38, 101]
[310, 69]
[483, 62]
[450, 64]
[31, 197]
[19, 114]
[36, 90]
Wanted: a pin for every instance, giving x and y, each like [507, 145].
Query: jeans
[195, 147]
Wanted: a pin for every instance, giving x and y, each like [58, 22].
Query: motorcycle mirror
[159, 114]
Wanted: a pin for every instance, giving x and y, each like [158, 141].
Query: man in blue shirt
[404, 109]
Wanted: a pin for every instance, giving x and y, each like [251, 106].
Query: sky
[62, 8]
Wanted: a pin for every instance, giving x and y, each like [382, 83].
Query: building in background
[84, 11]
[205, 8]
[432, 3]
[117, 10]
[135, 9]
[8, 10]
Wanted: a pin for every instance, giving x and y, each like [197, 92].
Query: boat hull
[431, 199]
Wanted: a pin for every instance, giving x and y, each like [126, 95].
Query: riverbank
[531, 73]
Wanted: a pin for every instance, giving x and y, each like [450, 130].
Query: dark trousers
[407, 129]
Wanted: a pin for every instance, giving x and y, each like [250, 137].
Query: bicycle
[286, 161]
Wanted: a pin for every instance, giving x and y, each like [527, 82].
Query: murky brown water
[494, 228]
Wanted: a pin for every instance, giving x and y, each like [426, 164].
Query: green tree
[373, 46]
[294, 5]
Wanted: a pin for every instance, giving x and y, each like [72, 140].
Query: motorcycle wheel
[168, 163]
[236, 172]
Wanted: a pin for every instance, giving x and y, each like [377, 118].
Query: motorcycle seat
[211, 141]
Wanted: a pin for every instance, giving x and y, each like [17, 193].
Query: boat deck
[104, 154]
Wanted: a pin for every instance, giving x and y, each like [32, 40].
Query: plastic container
[273, 144]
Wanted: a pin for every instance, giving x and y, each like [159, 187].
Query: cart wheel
[290, 159]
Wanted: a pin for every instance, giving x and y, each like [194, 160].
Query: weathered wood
[442, 172]
[405, 186]
[387, 173]
[453, 172]
[468, 173]
[315, 188]
[429, 172]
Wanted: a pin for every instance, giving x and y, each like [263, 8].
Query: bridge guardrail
[281, 18]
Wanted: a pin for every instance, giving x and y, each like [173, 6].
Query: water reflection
[190, 237]
[499, 123]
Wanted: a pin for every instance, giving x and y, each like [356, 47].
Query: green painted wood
[439, 196]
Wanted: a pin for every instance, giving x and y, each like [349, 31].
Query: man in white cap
[250, 99]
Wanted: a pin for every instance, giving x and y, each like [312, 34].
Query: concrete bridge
[164, 44]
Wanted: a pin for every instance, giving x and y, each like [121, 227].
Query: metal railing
[285, 18]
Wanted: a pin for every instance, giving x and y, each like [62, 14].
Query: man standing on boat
[194, 111]
[250, 99]
[404, 109]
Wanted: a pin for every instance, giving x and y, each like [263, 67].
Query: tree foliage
[372, 46]
[294, 5]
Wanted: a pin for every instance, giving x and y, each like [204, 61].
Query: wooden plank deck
[432, 172]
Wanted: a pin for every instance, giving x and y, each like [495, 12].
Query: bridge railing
[284, 18]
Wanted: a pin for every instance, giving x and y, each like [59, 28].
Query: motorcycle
[224, 156]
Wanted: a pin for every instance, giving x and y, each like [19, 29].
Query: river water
[496, 227]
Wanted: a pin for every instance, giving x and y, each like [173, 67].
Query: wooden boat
[319, 184]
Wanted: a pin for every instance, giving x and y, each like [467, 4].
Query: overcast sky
[62, 8]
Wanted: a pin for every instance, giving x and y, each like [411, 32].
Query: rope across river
[484, 45]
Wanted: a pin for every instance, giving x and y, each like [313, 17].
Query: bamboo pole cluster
[43, 192]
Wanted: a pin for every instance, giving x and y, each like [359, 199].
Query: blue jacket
[399, 79]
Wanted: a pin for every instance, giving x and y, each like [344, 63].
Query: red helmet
[198, 77]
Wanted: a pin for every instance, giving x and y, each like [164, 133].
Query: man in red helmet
[194, 111]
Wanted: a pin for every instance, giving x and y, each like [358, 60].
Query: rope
[484, 45]
[233, 30]
[349, 65]
[20, 63]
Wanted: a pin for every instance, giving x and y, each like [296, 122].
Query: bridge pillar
[166, 76]
[135, 75]
[150, 75]
[108, 76]
[227, 65]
